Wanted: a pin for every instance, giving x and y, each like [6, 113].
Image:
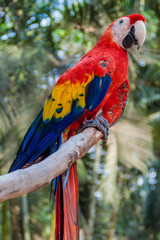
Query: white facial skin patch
[122, 27]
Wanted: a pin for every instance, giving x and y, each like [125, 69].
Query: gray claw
[99, 123]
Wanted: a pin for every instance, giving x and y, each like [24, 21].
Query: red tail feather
[67, 225]
[59, 211]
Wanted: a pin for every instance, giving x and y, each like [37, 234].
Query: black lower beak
[130, 39]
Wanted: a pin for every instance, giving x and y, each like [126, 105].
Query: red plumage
[112, 105]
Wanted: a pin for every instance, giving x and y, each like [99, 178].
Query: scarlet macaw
[94, 91]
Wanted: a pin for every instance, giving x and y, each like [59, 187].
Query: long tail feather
[67, 224]
[71, 213]
[59, 228]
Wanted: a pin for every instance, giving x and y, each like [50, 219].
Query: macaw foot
[99, 123]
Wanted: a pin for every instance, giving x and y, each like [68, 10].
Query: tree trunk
[15, 210]
[4, 221]
[142, 4]
[92, 205]
[25, 212]
[113, 219]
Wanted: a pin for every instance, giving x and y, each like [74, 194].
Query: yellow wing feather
[62, 97]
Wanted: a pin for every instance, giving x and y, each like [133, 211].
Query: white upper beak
[140, 32]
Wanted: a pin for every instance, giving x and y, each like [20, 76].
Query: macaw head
[129, 31]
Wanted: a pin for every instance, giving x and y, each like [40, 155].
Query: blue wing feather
[97, 91]
[31, 131]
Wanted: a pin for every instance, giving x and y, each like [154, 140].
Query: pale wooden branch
[26, 180]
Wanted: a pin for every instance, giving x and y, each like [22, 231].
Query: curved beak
[140, 33]
[136, 35]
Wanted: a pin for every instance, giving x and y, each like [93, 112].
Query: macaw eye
[121, 21]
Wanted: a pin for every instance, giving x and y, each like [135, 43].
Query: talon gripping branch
[98, 83]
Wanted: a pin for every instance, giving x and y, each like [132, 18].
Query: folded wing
[81, 88]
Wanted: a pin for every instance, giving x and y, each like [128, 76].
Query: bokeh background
[120, 182]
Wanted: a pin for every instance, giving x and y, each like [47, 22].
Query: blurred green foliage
[40, 39]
